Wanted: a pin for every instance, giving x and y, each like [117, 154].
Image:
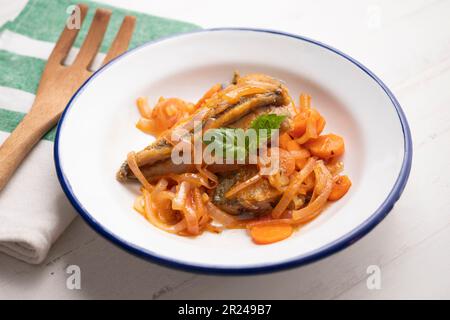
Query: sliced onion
[268, 222]
[335, 167]
[214, 89]
[208, 175]
[236, 94]
[213, 229]
[179, 201]
[293, 188]
[161, 199]
[192, 178]
[147, 126]
[161, 185]
[139, 205]
[241, 186]
[220, 216]
[150, 215]
[305, 101]
[316, 206]
[165, 195]
[190, 215]
[132, 164]
[308, 184]
[279, 181]
[200, 206]
[143, 107]
[311, 131]
[321, 179]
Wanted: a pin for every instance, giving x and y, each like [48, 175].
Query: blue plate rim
[306, 258]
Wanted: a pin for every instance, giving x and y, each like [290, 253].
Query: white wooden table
[407, 44]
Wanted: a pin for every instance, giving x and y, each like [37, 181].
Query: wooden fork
[58, 84]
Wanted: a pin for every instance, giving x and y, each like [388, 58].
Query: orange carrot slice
[295, 147]
[214, 89]
[300, 122]
[284, 140]
[326, 146]
[270, 233]
[340, 188]
[299, 126]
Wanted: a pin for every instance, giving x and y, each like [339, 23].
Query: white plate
[97, 130]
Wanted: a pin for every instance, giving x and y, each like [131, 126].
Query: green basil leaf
[226, 138]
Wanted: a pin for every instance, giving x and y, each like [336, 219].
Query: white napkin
[33, 208]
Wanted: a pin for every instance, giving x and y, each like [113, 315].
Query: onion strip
[316, 206]
[150, 215]
[192, 178]
[132, 164]
[241, 186]
[311, 131]
[179, 202]
[208, 175]
[223, 218]
[143, 107]
[268, 222]
[293, 188]
[200, 206]
[190, 215]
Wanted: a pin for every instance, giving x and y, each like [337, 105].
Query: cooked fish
[245, 121]
[250, 93]
[256, 199]
[162, 168]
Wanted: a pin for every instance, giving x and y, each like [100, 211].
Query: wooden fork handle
[20, 142]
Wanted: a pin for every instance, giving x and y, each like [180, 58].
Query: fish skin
[161, 149]
[217, 112]
[255, 199]
[166, 167]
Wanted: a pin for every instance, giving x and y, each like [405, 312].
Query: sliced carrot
[143, 107]
[340, 188]
[270, 233]
[305, 101]
[147, 126]
[163, 115]
[234, 95]
[299, 127]
[326, 146]
[287, 163]
[215, 88]
[284, 140]
[287, 143]
[320, 121]
[294, 146]
[300, 121]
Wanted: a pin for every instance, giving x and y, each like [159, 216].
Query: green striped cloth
[43, 20]
[25, 44]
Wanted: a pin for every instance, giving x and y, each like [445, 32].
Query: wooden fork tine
[67, 38]
[122, 39]
[57, 86]
[93, 39]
